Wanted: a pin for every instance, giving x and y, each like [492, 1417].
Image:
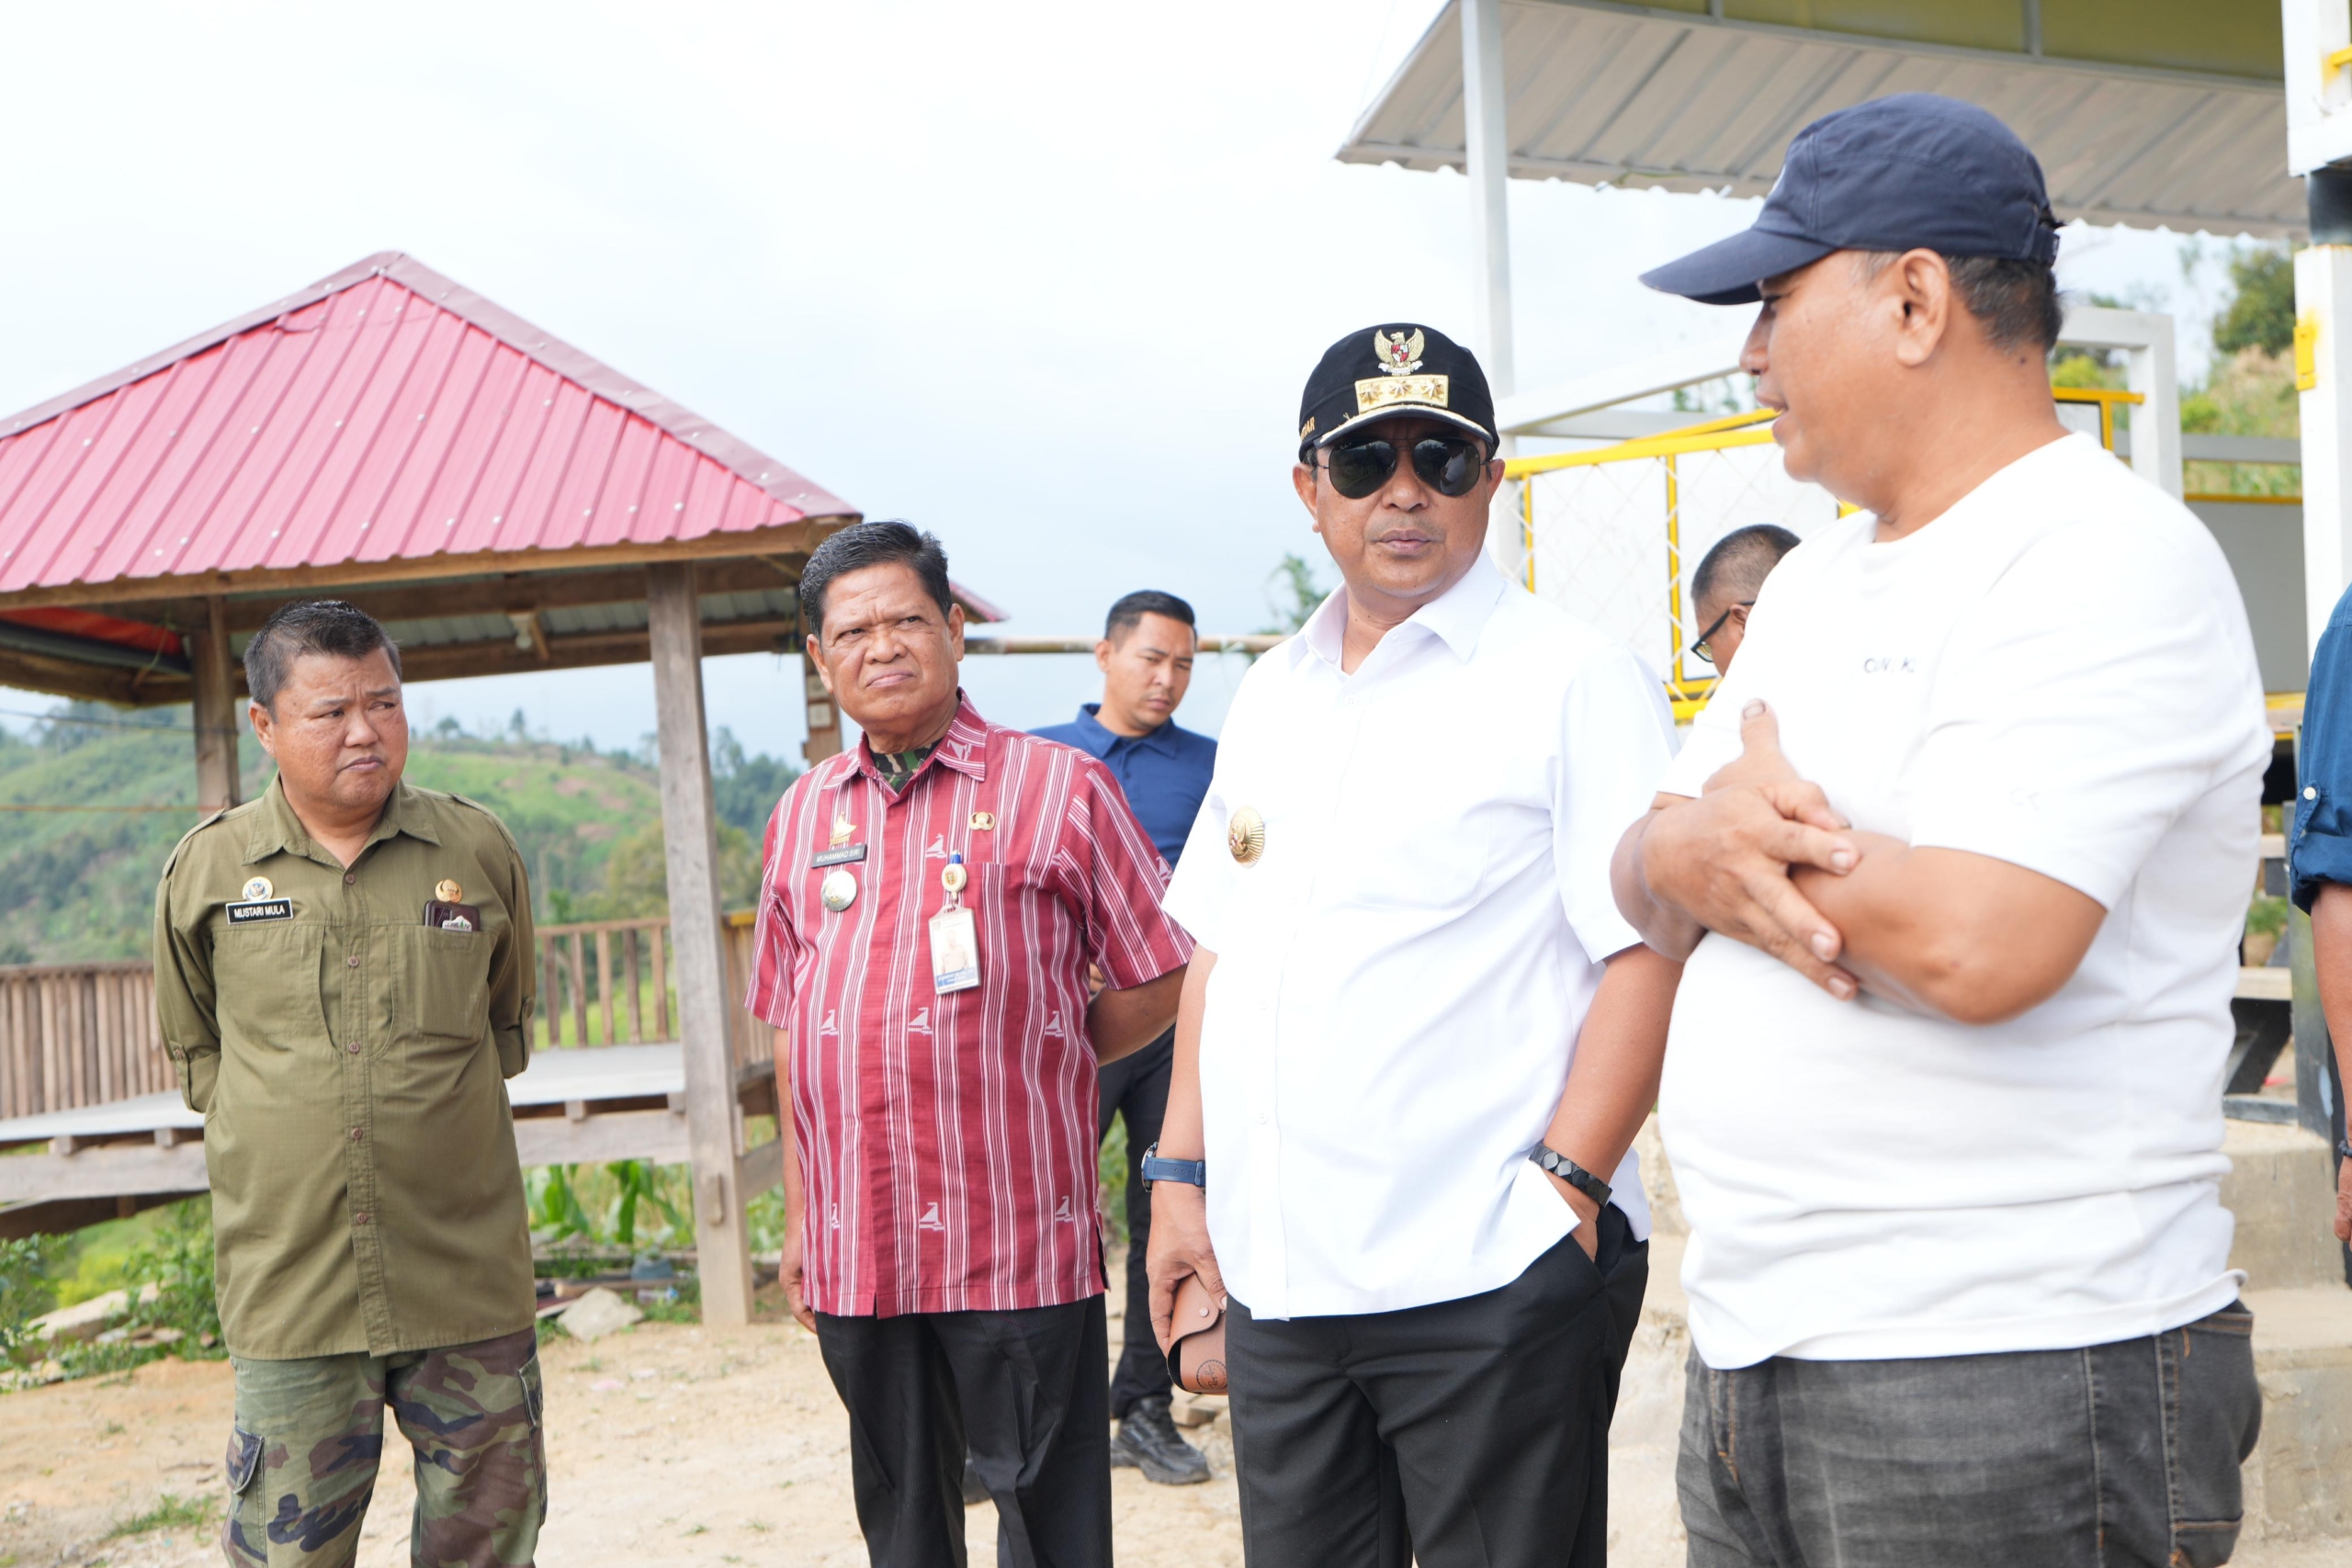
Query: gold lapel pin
[449, 892]
[1245, 835]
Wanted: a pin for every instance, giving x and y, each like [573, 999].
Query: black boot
[1148, 1440]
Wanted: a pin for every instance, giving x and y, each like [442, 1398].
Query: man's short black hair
[2016, 300]
[862, 544]
[310, 625]
[1130, 611]
[1741, 561]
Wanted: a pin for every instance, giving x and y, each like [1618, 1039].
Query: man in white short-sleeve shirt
[1972, 822]
[1412, 982]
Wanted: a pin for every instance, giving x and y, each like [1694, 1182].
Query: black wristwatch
[1575, 1175]
[2343, 1148]
[1192, 1172]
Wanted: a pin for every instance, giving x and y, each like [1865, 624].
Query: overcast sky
[1045, 280]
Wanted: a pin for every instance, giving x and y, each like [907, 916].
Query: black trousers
[1021, 1389]
[1467, 1433]
[1136, 1088]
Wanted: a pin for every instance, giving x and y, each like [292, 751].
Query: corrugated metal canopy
[382, 416]
[491, 494]
[2144, 112]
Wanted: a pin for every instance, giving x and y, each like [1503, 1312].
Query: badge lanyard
[955, 947]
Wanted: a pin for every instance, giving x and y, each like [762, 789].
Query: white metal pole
[2155, 424]
[1487, 137]
[2323, 371]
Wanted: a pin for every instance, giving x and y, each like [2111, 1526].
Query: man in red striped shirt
[931, 903]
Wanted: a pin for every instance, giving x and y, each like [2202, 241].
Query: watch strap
[1191, 1172]
[1559, 1164]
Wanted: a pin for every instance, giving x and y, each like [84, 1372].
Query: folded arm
[1947, 932]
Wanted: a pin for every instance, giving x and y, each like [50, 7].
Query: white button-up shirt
[1402, 973]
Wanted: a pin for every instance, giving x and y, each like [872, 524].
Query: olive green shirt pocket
[442, 985]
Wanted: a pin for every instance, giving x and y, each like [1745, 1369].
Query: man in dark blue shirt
[2319, 853]
[1146, 656]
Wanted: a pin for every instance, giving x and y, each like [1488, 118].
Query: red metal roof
[382, 414]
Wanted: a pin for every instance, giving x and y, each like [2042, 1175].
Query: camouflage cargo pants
[302, 1458]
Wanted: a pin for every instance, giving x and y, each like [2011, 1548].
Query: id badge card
[955, 952]
[955, 946]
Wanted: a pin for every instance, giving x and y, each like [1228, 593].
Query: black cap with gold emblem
[1382, 372]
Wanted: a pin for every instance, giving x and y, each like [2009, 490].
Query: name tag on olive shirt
[245, 911]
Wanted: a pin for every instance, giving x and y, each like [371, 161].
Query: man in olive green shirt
[342, 972]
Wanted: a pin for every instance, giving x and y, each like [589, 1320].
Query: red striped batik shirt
[947, 1142]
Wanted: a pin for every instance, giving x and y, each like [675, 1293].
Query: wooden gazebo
[502, 502]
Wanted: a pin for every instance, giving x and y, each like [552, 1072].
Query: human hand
[1180, 1249]
[1724, 859]
[1588, 1212]
[789, 1275]
[2343, 1199]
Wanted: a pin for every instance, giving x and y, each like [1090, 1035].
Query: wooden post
[824, 718]
[690, 836]
[216, 717]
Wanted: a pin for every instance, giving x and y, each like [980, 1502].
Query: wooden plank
[689, 835]
[550, 989]
[109, 1039]
[576, 971]
[622, 1135]
[760, 1169]
[786, 539]
[660, 983]
[106, 1171]
[214, 710]
[632, 945]
[2265, 985]
[605, 982]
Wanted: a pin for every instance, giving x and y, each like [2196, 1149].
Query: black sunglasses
[1701, 648]
[1447, 464]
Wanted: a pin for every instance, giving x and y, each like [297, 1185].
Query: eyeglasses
[1700, 647]
[1448, 464]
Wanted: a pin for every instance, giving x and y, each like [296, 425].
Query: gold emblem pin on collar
[449, 892]
[1245, 835]
[842, 828]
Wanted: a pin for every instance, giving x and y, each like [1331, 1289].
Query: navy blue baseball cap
[1915, 171]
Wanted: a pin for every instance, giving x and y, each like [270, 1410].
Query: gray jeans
[2116, 1455]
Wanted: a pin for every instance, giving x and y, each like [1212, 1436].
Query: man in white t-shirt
[1971, 824]
[1417, 1038]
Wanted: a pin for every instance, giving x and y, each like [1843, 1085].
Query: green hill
[80, 884]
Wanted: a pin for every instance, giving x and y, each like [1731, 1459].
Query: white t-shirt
[2056, 672]
[1402, 971]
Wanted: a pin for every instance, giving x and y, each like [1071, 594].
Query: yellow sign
[2307, 351]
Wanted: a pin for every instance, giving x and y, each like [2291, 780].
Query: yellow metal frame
[1688, 694]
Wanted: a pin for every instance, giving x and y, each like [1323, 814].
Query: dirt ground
[680, 1445]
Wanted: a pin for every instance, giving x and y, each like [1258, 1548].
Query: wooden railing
[607, 983]
[78, 1034]
[86, 1033]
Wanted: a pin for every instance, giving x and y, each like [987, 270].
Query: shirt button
[353, 1049]
[349, 877]
[2311, 792]
[359, 1219]
[1263, 1119]
[355, 1135]
[352, 961]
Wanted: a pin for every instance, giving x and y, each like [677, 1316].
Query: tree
[2261, 312]
[1292, 594]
